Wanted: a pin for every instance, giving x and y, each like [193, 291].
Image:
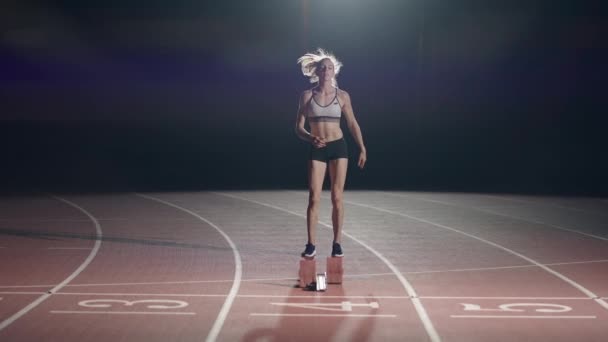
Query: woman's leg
[316, 176]
[337, 172]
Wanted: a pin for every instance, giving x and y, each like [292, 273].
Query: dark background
[192, 95]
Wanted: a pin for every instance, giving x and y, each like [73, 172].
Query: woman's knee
[314, 199]
[336, 198]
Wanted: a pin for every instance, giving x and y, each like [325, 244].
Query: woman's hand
[317, 142]
[362, 159]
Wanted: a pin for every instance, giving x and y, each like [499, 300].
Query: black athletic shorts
[333, 150]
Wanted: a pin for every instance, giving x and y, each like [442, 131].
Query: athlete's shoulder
[306, 95]
[342, 92]
[343, 95]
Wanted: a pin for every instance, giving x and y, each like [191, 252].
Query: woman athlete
[323, 105]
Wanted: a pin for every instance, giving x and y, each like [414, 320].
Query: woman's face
[325, 70]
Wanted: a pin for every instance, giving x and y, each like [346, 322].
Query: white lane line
[238, 270]
[549, 204]
[81, 268]
[123, 313]
[320, 315]
[68, 248]
[150, 283]
[313, 295]
[158, 283]
[576, 285]
[508, 298]
[342, 306]
[578, 262]
[100, 219]
[525, 317]
[25, 286]
[363, 275]
[59, 248]
[492, 212]
[42, 220]
[141, 220]
[497, 268]
[420, 310]
[194, 295]
[23, 292]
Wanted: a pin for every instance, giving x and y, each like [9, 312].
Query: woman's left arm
[353, 127]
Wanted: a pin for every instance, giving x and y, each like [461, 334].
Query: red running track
[222, 266]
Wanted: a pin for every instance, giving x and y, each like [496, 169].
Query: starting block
[308, 271]
[335, 270]
[310, 279]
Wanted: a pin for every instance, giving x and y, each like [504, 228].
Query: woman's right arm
[301, 131]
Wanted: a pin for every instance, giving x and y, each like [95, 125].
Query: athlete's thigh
[316, 175]
[337, 173]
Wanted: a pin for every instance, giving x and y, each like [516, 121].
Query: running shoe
[336, 250]
[310, 251]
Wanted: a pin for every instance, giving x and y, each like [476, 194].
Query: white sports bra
[332, 112]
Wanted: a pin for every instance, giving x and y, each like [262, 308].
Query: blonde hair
[310, 61]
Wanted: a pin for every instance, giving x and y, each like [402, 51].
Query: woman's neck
[325, 87]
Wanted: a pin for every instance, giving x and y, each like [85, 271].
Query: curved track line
[428, 325]
[547, 204]
[576, 285]
[238, 270]
[74, 274]
[492, 212]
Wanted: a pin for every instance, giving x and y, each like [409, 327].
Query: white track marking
[363, 275]
[320, 315]
[525, 317]
[207, 281]
[81, 268]
[344, 306]
[555, 273]
[492, 212]
[313, 295]
[44, 220]
[25, 286]
[68, 248]
[158, 304]
[420, 310]
[549, 204]
[194, 295]
[23, 292]
[151, 283]
[123, 313]
[578, 262]
[184, 282]
[519, 307]
[509, 298]
[238, 270]
[497, 268]
[100, 219]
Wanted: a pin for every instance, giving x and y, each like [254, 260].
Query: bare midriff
[329, 131]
